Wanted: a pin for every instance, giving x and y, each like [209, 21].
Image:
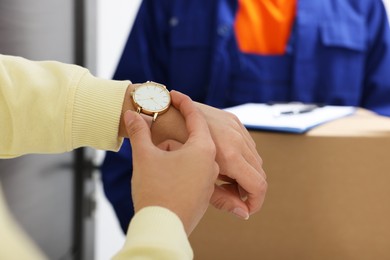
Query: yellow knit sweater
[51, 107]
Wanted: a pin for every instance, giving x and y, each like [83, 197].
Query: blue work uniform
[338, 53]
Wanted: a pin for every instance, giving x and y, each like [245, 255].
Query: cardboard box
[328, 198]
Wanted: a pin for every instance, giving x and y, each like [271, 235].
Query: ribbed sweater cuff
[158, 227]
[96, 113]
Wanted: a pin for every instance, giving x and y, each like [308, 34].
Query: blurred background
[58, 199]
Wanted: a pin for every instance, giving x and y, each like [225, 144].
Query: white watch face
[152, 97]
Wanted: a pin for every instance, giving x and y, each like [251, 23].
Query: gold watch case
[151, 98]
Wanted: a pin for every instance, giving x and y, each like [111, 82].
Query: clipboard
[295, 118]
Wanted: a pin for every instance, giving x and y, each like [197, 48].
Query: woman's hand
[180, 177]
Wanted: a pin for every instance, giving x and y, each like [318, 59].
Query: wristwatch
[151, 98]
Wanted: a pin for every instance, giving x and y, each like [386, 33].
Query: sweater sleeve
[52, 107]
[155, 233]
[13, 243]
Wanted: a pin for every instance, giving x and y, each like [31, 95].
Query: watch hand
[155, 101]
[141, 99]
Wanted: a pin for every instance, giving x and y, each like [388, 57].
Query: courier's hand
[181, 180]
[240, 165]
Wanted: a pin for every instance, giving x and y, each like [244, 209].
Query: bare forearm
[169, 126]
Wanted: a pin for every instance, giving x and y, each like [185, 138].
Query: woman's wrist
[169, 125]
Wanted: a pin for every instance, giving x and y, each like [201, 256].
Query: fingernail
[128, 117]
[239, 212]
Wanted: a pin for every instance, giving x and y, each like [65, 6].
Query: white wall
[387, 4]
[113, 25]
